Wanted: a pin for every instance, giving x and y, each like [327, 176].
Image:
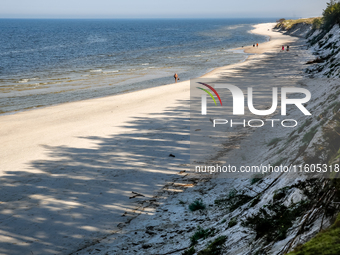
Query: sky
[161, 8]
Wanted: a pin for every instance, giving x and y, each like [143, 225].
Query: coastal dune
[70, 172]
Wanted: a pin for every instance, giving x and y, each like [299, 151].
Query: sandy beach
[276, 40]
[68, 171]
[74, 173]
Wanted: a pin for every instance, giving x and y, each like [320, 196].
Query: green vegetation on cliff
[330, 17]
[287, 24]
[326, 242]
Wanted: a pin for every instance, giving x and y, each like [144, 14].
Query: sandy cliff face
[299, 29]
[326, 48]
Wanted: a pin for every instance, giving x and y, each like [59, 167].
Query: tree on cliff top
[331, 15]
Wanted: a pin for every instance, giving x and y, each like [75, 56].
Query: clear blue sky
[160, 8]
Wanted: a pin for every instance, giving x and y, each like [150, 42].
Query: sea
[52, 61]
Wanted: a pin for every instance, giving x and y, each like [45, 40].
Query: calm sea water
[45, 62]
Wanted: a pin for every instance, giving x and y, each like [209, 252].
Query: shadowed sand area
[68, 171]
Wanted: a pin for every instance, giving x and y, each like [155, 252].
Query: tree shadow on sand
[80, 194]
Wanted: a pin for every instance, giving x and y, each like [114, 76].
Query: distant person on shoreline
[287, 47]
[283, 47]
[257, 45]
[176, 77]
[254, 45]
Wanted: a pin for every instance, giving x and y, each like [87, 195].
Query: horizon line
[146, 18]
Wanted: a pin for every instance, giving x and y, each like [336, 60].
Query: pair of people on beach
[257, 45]
[283, 47]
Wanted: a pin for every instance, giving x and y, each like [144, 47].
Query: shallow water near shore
[47, 62]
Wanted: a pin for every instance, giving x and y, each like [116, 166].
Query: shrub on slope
[331, 15]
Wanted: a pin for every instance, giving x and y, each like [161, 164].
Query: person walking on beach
[283, 47]
[176, 77]
[257, 45]
[287, 47]
[254, 45]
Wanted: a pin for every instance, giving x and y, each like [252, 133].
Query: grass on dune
[326, 242]
[287, 24]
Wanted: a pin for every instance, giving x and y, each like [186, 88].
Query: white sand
[277, 39]
[68, 170]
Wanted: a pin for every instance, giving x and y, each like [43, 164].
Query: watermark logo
[238, 99]
[204, 97]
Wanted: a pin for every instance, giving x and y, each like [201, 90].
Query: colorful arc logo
[209, 93]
